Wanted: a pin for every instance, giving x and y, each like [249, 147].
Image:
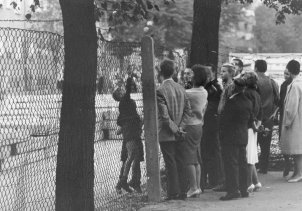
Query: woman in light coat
[291, 136]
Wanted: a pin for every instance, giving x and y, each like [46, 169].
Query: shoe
[124, 185]
[118, 187]
[286, 171]
[258, 186]
[176, 197]
[251, 188]
[261, 171]
[230, 196]
[219, 188]
[137, 188]
[173, 197]
[182, 196]
[245, 194]
[200, 191]
[193, 194]
[294, 180]
[208, 186]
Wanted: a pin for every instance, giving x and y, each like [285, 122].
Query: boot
[118, 187]
[136, 187]
[124, 184]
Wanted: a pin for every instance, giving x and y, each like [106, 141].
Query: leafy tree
[271, 38]
[204, 43]
[170, 27]
[75, 165]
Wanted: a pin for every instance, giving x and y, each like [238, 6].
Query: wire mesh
[31, 78]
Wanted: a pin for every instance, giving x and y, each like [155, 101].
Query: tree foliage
[271, 38]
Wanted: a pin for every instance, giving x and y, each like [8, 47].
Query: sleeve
[221, 102]
[163, 114]
[276, 93]
[260, 111]
[187, 110]
[291, 106]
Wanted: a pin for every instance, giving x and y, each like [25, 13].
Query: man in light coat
[173, 107]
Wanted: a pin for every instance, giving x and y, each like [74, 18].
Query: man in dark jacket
[210, 146]
[237, 115]
[269, 93]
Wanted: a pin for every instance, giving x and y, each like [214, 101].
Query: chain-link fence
[31, 74]
[31, 78]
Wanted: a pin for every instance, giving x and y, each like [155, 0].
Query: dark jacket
[283, 90]
[214, 93]
[269, 93]
[254, 97]
[237, 115]
[129, 119]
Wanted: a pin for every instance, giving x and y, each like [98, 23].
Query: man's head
[188, 75]
[227, 72]
[167, 68]
[293, 68]
[238, 64]
[260, 66]
[200, 75]
[240, 84]
[213, 71]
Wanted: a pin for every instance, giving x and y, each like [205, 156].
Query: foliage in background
[272, 38]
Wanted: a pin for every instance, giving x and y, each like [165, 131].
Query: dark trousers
[133, 158]
[212, 160]
[265, 145]
[235, 167]
[175, 167]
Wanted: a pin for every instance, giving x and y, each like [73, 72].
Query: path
[276, 194]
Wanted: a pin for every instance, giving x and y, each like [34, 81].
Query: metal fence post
[150, 120]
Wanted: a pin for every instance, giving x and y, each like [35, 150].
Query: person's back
[266, 89]
[173, 106]
[174, 97]
[198, 102]
[269, 93]
[235, 120]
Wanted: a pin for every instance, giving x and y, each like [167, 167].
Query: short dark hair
[240, 63]
[214, 69]
[293, 67]
[261, 65]
[200, 75]
[167, 68]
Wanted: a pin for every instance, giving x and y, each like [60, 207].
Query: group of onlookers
[209, 131]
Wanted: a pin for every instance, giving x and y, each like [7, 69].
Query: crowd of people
[209, 131]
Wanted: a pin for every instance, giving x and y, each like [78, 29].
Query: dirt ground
[276, 194]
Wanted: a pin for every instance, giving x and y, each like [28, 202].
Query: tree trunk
[205, 35]
[75, 169]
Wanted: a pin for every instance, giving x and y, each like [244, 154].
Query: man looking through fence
[173, 107]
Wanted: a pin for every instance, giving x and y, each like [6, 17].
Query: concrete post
[150, 120]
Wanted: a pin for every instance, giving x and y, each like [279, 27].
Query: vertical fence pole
[150, 120]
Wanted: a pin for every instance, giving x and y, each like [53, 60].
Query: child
[132, 149]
